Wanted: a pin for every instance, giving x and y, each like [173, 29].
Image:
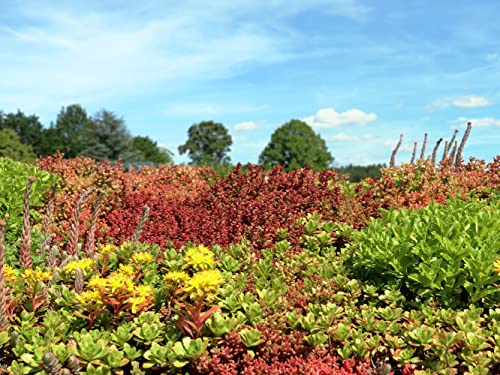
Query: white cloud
[472, 101]
[466, 101]
[328, 118]
[56, 53]
[485, 122]
[245, 126]
[96, 51]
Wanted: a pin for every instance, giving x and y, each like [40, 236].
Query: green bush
[443, 253]
[14, 176]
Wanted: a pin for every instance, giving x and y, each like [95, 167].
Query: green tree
[28, 128]
[144, 150]
[111, 137]
[207, 145]
[295, 145]
[72, 130]
[12, 147]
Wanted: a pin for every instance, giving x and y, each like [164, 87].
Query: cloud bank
[329, 118]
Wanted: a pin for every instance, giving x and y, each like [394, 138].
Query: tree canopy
[28, 128]
[143, 150]
[110, 131]
[296, 145]
[12, 147]
[208, 145]
[75, 133]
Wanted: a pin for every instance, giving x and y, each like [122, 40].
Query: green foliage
[296, 145]
[28, 129]
[291, 305]
[71, 130]
[144, 150]
[75, 133]
[12, 147]
[356, 173]
[443, 253]
[14, 176]
[207, 145]
[111, 133]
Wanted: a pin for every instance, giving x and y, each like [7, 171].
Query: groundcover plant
[175, 270]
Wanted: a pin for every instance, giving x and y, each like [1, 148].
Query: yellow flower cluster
[126, 270]
[142, 258]
[33, 277]
[203, 283]
[119, 284]
[176, 277]
[106, 249]
[496, 266]
[86, 265]
[199, 258]
[116, 283]
[9, 272]
[142, 296]
[89, 297]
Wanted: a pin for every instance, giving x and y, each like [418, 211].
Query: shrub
[14, 176]
[441, 252]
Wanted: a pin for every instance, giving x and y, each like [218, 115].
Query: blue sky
[359, 71]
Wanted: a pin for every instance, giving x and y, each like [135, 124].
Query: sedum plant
[444, 253]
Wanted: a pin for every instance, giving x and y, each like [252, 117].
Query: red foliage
[254, 203]
[417, 185]
[249, 202]
[280, 354]
[165, 182]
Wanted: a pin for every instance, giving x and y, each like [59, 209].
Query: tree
[111, 135]
[144, 150]
[28, 128]
[72, 131]
[208, 144]
[295, 145]
[12, 147]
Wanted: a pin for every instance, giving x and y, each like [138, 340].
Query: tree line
[101, 136]
[104, 136]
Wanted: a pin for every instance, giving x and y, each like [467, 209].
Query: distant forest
[102, 136]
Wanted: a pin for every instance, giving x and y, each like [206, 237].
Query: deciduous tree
[144, 150]
[296, 145]
[12, 147]
[207, 145]
[28, 128]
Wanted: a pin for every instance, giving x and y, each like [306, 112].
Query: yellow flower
[85, 264]
[106, 249]
[137, 303]
[144, 291]
[89, 297]
[98, 283]
[119, 282]
[142, 258]
[199, 257]
[33, 277]
[9, 272]
[126, 270]
[176, 277]
[496, 266]
[203, 283]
